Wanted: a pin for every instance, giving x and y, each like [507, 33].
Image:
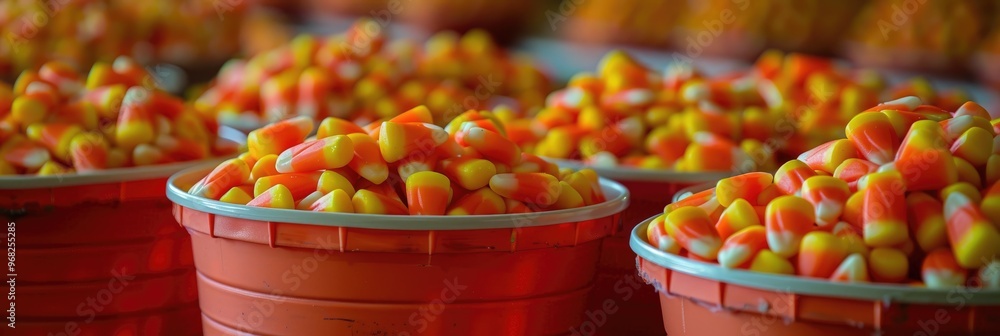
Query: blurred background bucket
[287, 272]
[99, 254]
[698, 298]
[633, 305]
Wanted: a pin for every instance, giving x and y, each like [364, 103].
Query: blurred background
[953, 39]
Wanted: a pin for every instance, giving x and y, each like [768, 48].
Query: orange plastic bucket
[698, 298]
[620, 304]
[100, 254]
[285, 272]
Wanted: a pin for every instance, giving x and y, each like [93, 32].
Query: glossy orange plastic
[99, 254]
[637, 312]
[278, 272]
[699, 298]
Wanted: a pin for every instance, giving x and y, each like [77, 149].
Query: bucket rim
[807, 286]
[614, 205]
[104, 176]
[644, 175]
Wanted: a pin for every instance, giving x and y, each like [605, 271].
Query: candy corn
[278, 197]
[236, 195]
[924, 159]
[691, 228]
[974, 239]
[788, 220]
[888, 264]
[828, 196]
[736, 217]
[745, 186]
[55, 136]
[537, 188]
[820, 254]
[276, 138]
[827, 157]
[990, 205]
[791, 175]
[367, 160]
[334, 201]
[974, 145]
[265, 166]
[926, 219]
[657, 235]
[326, 153]
[135, 124]
[89, 152]
[428, 193]
[742, 246]
[940, 270]
[342, 173]
[298, 184]
[336, 126]
[769, 262]
[369, 202]
[469, 173]
[397, 140]
[306, 203]
[491, 144]
[854, 268]
[884, 209]
[851, 219]
[227, 175]
[851, 170]
[874, 137]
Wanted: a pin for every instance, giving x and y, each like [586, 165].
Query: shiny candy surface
[918, 214]
[402, 166]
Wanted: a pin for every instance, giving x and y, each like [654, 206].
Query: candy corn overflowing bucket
[633, 305]
[285, 272]
[99, 254]
[698, 298]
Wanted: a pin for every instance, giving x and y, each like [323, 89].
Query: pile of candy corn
[404, 165]
[81, 32]
[910, 195]
[361, 76]
[56, 121]
[811, 99]
[627, 115]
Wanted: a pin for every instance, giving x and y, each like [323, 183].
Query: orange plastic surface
[268, 278]
[696, 306]
[114, 243]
